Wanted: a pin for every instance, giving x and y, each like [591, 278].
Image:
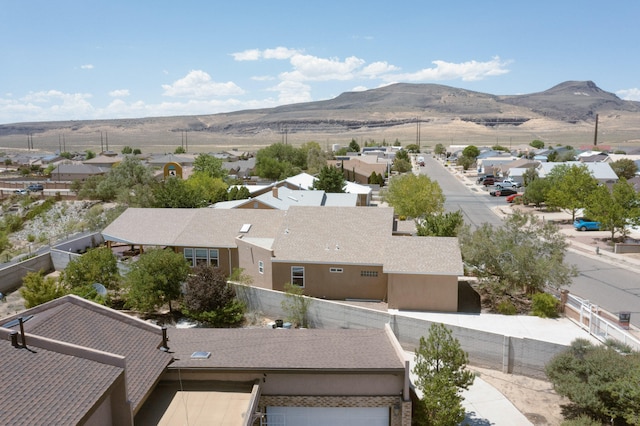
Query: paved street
[613, 286]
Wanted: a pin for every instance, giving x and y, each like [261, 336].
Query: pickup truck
[508, 183]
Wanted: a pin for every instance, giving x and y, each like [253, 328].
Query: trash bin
[623, 319]
[279, 323]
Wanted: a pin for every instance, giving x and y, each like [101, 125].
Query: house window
[335, 270]
[368, 273]
[297, 275]
[201, 256]
[261, 266]
[213, 257]
[188, 255]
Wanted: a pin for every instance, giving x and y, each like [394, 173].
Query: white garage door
[317, 416]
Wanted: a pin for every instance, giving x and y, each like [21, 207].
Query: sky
[86, 60]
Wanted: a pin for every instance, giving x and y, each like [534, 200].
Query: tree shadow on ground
[470, 419]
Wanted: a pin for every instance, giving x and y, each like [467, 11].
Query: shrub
[544, 305]
[582, 420]
[506, 307]
[36, 289]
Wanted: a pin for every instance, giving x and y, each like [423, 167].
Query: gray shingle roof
[423, 255]
[285, 349]
[74, 320]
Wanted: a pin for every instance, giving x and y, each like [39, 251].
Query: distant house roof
[191, 227]
[81, 169]
[77, 321]
[601, 171]
[182, 159]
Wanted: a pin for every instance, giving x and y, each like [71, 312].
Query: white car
[21, 191]
[508, 183]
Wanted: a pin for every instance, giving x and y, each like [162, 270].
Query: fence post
[506, 354]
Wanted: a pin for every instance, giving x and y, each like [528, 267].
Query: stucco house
[332, 252]
[602, 171]
[72, 361]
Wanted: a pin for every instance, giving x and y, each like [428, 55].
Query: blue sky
[77, 60]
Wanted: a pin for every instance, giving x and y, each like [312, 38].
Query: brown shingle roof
[42, 387]
[285, 349]
[74, 320]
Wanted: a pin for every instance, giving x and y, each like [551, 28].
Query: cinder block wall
[509, 354]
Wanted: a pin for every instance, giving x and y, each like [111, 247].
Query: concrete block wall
[11, 275]
[490, 350]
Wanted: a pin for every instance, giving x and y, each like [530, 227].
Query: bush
[582, 420]
[545, 305]
[36, 289]
[506, 307]
[230, 314]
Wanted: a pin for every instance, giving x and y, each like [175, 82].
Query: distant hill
[565, 113]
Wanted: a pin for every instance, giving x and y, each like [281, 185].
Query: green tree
[36, 289]
[279, 161]
[439, 149]
[625, 168]
[353, 146]
[471, 151]
[402, 155]
[615, 208]
[412, 148]
[137, 151]
[315, 155]
[440, 224]
[211, 190]
[570, 187]
[296, 305]
[155, 279]
[537, 144]
[90, 154]
[176, 193]
[465, 162]
[98, 265]
[330, 179]
[536, 191]
[180, 150]
[209, 165]
[519, 258]
[599, 381]
[414, 196]
[441, 375]
[127, 150]
[210, 299]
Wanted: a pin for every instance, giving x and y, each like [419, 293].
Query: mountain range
[563, 114]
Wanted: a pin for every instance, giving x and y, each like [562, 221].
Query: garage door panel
[322, 416]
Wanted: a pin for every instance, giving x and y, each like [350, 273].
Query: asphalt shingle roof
[285, 349]
[74, 320]
[41, 387]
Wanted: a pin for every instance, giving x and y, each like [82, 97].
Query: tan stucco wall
[249, 256]
[320, 282]
[423, 292]
[304, 384]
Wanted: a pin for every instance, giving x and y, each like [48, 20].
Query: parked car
[504, 192]
[512, 198]
[482, 178]
[421, 161]
[35, 187]
[21, 191]
[488, 181]
[508, 183]
[584, 224]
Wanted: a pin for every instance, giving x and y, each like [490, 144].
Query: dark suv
[34, 187]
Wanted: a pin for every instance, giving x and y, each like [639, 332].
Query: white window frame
[297, 276]
[261, 266]
[197, 255]
[336, 270]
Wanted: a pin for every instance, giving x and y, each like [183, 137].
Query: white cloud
[312, 68]
[291, 92]
[120, 93]
[359, 89]
[86, 66]
[256, 54]
[262, 78]
[629, 94]
[198, 84]
[466, 71]
[377, 69]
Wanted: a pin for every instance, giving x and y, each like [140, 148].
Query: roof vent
[200, 355]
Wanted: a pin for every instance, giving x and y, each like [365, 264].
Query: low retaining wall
[509, 354]
[622, 248]
[63, 253]
[11, 275]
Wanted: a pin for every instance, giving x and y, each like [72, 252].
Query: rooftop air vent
[200, 355]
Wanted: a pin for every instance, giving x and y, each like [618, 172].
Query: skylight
[200, 355]
[245, 228]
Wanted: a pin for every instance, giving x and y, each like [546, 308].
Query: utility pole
[595, 136]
